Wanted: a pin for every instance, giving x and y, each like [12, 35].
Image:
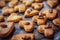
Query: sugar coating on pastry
[14, 18]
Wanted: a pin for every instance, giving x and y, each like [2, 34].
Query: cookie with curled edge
[6, 28]
[30, 12]
[58, 8]
[37, 6]
[27, 36]
[7, 11]
[14, 18]
[27, 2]
[1, 18]
[50, 13]
[20, 8]
[47, 30]
[27, 25]
[13, 3]
[39, 19]
[38, 0]
[52, 3]
[57, 21]
[2, 3]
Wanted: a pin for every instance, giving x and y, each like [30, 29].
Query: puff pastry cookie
[13, 3]
[27, 2]
[50, 14]
[23, 37]
[27, 25]
[39, 19]
[6, 28]
[30, 12]
[47, 30]
[52, 3]
[20, 8]
[7, 0]
[37, 6]
[2, 3]
[57, 21]
[14, 18]
[7, 11]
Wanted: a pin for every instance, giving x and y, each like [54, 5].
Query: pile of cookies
[31, 9]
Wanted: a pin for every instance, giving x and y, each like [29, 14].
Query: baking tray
[38, 36]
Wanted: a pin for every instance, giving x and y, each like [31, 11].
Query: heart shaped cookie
[6, 28]
[14, 18]
[37, 6]
[28, 36]
[27, 25]
[30, 12]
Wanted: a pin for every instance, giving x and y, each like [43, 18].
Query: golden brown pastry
[27, 25]
[13, 3]
[52, 3]
[7, 0]
[50, 14]
[1, 18]
[37, 6]
[14, 18]
[23, 37]
[27, 2]
[34, 18]
[7, 11]
[41, 28]
[47, 30]
[57, 21]
[49, 33]
[2, 3]
[58, 8]
[39, 19]
[20, 8]
[6, 28]
[30, 12]
[38, 0]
